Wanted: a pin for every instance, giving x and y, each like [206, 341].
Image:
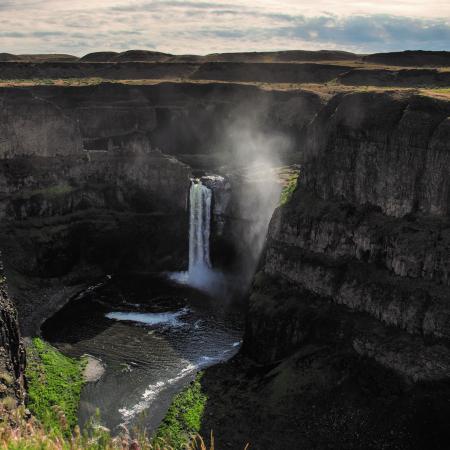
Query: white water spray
[199, 228]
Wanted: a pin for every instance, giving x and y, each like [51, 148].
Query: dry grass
[326, 89]
[17, 432]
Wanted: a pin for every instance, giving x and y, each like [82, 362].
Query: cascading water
[199, 228]
[200, 273]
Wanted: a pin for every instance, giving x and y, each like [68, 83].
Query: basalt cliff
[95, 180]
[347, 336]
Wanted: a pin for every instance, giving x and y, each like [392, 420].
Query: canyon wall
[94, 180]
[12, 351]
[71, 216]
[360, 255]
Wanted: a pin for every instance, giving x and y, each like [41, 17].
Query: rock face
[12, 351]
[70, 216]
[353, 288]
[410, 58]
[347, 337]
[85, 192]
[367, 229]
[271, 67]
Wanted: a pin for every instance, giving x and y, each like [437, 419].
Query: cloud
[371, 32]
[195, 26]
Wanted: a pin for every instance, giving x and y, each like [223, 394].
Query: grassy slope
[54, 385]
[184, 417]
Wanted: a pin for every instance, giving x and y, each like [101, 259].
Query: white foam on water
[202, 278]
[178, 277]
[151, 393]
[166, 318]
[154, 389]
[208, 359]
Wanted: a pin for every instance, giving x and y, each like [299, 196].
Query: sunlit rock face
[365, 233]
[389, 151]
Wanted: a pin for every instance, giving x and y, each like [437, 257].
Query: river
[152, 336]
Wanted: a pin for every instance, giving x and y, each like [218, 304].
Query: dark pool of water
[152, 336]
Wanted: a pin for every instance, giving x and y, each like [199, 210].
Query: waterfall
[199, 227]
[200, 274]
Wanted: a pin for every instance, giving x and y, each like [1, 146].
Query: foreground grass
[18, 433]
[54, 388]
[54, 385]
[184, 417]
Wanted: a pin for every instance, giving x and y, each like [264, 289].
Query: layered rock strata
[366, 229]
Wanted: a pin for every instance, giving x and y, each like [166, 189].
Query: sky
[78, 27]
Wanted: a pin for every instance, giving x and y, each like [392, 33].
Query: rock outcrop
[367, 229]
[69, 216]
[12, 351]
[347, 337]
[411, 58]
[265, 69]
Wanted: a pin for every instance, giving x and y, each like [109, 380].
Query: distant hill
[128, 56]
[9, 57]
[284, 56]
[99, 57]
[281, 56]
[49, 58]
[142, 55]
[38, 58]
[411, 58]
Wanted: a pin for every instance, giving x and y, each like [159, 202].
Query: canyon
[346, 341]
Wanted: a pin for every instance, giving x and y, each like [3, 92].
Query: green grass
[184, 417]
[54, 386]
[288, 189]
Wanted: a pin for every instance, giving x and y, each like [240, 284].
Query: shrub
[288, 189]
[6, 378]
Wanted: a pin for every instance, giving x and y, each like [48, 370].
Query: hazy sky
[197, 26]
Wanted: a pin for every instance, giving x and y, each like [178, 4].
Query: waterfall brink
[199, 228]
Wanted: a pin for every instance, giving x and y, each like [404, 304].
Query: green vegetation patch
[288, 189]
[184, 417]
[53, 191]
[54, 386]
